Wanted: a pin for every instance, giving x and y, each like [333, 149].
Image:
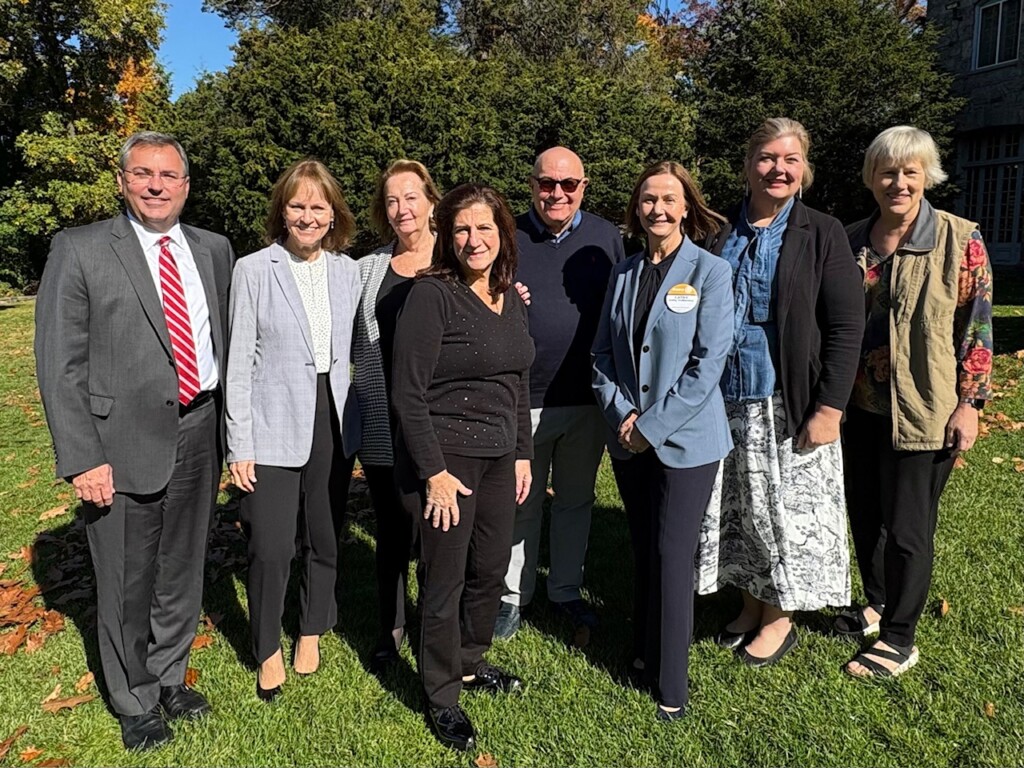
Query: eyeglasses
[548, 185]
[139, 176]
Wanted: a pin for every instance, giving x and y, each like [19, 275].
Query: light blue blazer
[676, 390]
[270, 397]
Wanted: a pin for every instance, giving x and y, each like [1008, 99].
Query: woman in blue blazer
[291, 424]
[664, 336]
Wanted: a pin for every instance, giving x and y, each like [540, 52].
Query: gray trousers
[568, 441]
[148, 552]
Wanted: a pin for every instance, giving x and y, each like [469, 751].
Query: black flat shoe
[452, 728]
[756, 661]
[493, 680]
[266, 695]
[144, 731]
[180, 701]
[664, 716]
[733, 640]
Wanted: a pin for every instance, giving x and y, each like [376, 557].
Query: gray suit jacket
[103, 356]
[271, 381]
[675, 390]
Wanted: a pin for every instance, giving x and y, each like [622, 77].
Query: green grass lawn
[962, 705]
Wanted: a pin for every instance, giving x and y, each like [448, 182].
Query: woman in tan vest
[925, 372]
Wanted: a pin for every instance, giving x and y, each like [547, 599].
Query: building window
[998, 33]
[994, 190]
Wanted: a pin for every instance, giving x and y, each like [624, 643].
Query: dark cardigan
[819, 308]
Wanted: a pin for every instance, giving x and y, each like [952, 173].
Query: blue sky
[194, 42]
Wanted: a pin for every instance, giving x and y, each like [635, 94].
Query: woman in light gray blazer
[402, 210]
[665, 332]
[291, 423]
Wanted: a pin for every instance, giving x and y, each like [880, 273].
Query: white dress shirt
[195, 294]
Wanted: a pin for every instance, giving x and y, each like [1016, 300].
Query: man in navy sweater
[565, 259]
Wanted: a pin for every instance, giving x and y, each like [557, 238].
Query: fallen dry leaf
[989, 709]
[54, 763]
[69, 703]
[191, 676]
[26, 553]
[53, 622]
[202, 641]
[943, 607]
[30, 753]
[35, 642]
[211, 620]
[485, 760]
[84, 682]
[53, 694]
[3, 567]
[1018, 464]
[55, 512]
[10, 642]
[5, 745]
[1016, 610]
[998, 459]
[959, 463]
[55, 670]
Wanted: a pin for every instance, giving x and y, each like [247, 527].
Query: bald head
[557, 206]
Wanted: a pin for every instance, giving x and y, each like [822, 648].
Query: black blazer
[819, 307]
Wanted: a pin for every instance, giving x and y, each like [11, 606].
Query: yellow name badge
[681, 298]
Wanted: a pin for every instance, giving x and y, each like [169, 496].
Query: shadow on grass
[1008, 334]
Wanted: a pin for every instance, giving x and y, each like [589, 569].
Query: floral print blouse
[972, 330]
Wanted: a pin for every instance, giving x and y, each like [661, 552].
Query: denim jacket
[753, 253]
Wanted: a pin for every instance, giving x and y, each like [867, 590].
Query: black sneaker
[508, 621]
[452, 728]
[493, 680]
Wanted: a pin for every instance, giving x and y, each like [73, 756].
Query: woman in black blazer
[776, 524]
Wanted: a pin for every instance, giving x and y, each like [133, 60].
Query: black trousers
[397, 537]
[148, 552]
[461, 571]
[664, 507]
[290, 504]
[892, 498]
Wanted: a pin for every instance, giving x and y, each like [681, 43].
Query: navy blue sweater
[567, 282]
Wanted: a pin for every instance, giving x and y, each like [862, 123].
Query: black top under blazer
[819, 307]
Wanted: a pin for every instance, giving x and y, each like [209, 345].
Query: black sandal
[851, 622]
[905, 658]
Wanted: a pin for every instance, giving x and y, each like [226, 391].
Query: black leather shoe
[144, 731]
[384, 657]
[493, 680]
[180, 701]
[733, 640]
[452, 728]
[756, 661]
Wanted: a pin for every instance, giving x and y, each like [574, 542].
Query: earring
[332, 224]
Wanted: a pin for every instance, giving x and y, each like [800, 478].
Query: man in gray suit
[130, 342]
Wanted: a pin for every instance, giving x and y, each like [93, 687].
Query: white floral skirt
[776, 522]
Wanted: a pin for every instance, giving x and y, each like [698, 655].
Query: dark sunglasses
[548, 185]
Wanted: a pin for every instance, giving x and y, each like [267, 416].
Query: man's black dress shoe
[493, 680]
[733, 640]
[144, 731]
[452, 727]
[757, 661]
[384, 657]
[180, 701]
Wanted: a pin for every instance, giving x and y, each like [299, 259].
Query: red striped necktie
[178, 325]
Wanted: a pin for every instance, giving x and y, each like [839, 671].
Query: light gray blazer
[271, 381]
[370, 385]
[675, 390]
[103, 356]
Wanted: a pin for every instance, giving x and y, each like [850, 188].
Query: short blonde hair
[775, 128]
[379, 206]
[313, 172]
[902, 144]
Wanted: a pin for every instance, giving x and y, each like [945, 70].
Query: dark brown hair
[444, 264]
[379, 206]
[700, 221]
[310, 171]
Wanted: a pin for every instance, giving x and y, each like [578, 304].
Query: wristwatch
[973, 402]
